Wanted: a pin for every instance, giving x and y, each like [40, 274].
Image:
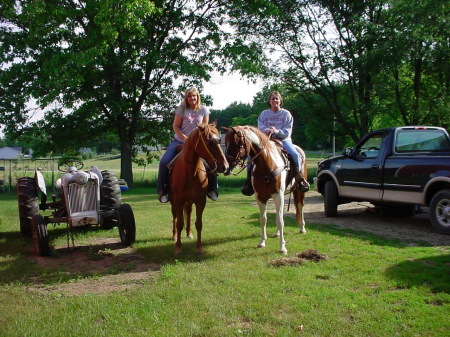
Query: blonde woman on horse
[188, 115]
[277, 123]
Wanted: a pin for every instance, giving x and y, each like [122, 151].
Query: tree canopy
[372, 63]
[76, 69]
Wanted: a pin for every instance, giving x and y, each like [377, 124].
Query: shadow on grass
[92, 256]
[432, 272]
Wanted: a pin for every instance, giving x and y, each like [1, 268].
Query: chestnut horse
[270, 175]
[189, 180]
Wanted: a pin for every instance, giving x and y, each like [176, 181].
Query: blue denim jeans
[289, 147]
[163, 172]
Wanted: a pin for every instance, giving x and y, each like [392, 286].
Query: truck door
[361, 175]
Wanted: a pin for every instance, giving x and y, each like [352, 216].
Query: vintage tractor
[84, 198]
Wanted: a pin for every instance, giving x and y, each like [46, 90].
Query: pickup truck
[397, 169]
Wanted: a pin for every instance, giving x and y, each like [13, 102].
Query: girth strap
[270, 176]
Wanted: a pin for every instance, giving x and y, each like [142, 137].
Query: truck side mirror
[347, 151]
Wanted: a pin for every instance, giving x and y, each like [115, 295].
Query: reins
[241, 162]
[265, 178]
[201, 133]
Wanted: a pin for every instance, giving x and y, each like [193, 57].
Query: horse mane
[261, 135]
[193, 136]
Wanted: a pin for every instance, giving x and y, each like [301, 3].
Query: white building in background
[10, 152]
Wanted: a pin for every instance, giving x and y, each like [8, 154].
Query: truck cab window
[370, 148]
[427, 140]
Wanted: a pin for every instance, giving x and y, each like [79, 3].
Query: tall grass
[370, 286]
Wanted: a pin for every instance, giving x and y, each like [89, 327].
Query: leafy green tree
[417, 50]
[373, 63]
[92, 67]
[226, 116]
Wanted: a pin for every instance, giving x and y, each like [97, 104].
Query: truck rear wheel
[440, 212]
[330, 199]
[28, 204]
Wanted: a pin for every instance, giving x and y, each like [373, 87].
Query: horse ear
[200, 126]
[224, 128]
[214, 123]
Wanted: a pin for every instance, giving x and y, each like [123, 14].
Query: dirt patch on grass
[98, 266]
[299, 258]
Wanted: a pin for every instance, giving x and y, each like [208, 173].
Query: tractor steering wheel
[63, 166]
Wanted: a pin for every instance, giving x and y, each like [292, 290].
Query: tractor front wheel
[40, 235]
[127, 225]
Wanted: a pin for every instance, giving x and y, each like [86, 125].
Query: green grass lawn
[369, 286]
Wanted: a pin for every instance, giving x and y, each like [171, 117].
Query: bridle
[242, 155]
[201, 133]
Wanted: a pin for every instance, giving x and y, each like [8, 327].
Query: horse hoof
[283, 251]
[303, 231]
[201, 252]
[190, 236]
[260, 246]
[276, 236]
[178, 252]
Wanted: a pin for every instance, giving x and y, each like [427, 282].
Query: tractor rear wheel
[110, 196]
[27, 195]
[127, 225]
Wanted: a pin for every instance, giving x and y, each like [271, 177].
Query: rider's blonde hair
[185, 104]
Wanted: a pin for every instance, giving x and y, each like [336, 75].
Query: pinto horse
[189, 180]
[270, 175]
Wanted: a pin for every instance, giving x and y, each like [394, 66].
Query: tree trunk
[126, 164]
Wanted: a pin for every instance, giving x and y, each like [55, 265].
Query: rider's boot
[300, 182]
[247, 188]
[213, 192]
[164, 195]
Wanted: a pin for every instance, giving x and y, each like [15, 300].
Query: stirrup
[247, 189]
[303, 185]
[164, 198]
[213, 195]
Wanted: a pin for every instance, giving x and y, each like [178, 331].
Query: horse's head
[237, 148]
[206, 142]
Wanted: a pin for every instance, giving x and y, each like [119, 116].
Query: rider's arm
[177, 122]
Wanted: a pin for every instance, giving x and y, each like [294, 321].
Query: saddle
[178, 149]
[293, 173]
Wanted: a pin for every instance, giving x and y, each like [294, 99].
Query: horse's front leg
[174, 230]
[187, 214]
[199, 207]
[179, 224]
[279, 207]
[262, 222]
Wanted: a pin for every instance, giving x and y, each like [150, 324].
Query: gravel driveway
[355, 215]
